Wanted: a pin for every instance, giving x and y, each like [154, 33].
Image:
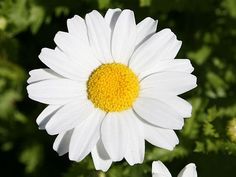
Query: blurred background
[208, 31]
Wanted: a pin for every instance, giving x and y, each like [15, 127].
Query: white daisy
[112, 85]
[160, 170]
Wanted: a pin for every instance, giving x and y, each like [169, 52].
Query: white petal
[145, 29]
[42, 74]
[113, 134]
[70, 116]
[179, 105]
[62, 142]
[61, 64]
[182, 107]
[86, 136]
[134, 138]
[158, 113]
[124, 37]
[172, 50]
[173, 83]
[78, 51]
[177, 65]
[56, 91]
[158, 47]
[100, 157]
[77, 27]
[159, 170]
[123, 137]
[160, 137]
[111, 17]
[188, 171]
[99, 34]
[46, 115]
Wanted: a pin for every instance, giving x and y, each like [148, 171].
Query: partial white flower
[112, 84]
[160, 170]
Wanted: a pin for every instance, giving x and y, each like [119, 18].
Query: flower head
[160, 170]
[112, 84]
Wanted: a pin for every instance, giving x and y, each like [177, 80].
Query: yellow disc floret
[113, 87]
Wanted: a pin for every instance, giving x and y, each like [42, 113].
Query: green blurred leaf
[31, 157]
[103, 4]
[201, 55]
[145, 3]
[36, 18]
[230, 5]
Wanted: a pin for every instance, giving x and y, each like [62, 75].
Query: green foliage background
[208, 31]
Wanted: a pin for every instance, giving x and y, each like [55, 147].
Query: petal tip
[49, 129]
[191, 165]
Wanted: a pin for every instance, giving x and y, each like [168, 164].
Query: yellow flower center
[113, 87]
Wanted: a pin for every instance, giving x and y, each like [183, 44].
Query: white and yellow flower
[111, 85]
[160, 170]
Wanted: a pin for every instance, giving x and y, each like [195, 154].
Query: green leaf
[145, 3]
[201, 55]
[31, 157]
[36, 18]
[103, 4]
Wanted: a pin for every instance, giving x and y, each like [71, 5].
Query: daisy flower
[112, 84]
[160, 170]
